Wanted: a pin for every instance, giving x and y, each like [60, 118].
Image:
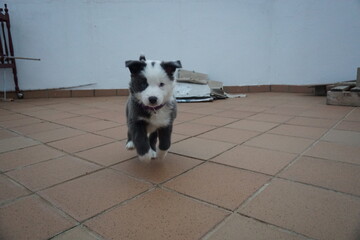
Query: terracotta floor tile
[4, 134]
[267, 117]
[181, 107]
[221, 185]
[287, 110]
[223, 105]
[108, 154]
[335, 151]
[255, 159]
[252, 125]
[196, 105]
[89, 195]
[354, 115]
[177, 137]
[11, 116]
[97, 125]
[240, 227]
[36, 128]
[87, 111]
[118, 133]
[158, 215]
[200, 148]
[78, 233]
[343, 137]
[51, 115]
[114, 116]
[4, 113]
[280, 143]
[19, 122]
[10, 190]
[206, 110]
[28, 109]
[231, 135]
[330, 112]
[191, 129]
[45, 174]
[184, 117]
[27, 156]
[349, 126]
[214, 121]
[339, 176]
[249, 108]
[32, 219]
[299, 131]
[76, 121]
[311, 211]
[312, 122]
[80, 143]
[65, 106]
[56, 134]
[158, 171]
[234, 114]
[14, 143]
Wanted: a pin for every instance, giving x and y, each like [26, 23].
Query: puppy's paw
[153, 153]
[161, 154]
[129, 145]
[147, 156]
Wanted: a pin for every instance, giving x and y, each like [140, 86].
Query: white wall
[315, 41]
[243, 42]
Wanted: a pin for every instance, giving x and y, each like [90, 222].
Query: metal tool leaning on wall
[7, 58]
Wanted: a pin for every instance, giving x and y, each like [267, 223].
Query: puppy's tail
[142, 57]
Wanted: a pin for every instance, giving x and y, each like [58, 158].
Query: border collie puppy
[151, 107]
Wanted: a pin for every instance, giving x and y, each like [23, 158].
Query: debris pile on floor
[192, 86]
[345, 93]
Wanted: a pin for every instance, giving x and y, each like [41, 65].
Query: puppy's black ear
[135, 66]
[142, 58]
[170, 67]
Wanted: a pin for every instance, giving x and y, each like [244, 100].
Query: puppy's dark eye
[143, 84]
[161, 84]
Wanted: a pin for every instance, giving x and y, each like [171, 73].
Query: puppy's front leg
[141, 142]
[164, 141]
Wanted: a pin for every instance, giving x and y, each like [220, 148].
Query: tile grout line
[279, 227]
[210, 204]
[228, 218]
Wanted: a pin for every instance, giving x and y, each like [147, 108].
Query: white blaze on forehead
[154, 73]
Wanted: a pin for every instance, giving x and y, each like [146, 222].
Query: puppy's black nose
[152, 100]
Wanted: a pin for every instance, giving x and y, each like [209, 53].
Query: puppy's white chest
[159, 119]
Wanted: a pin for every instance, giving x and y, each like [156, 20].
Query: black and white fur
[151, 107]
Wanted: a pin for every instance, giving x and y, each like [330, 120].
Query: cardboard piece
[190, 90]
[192, 77]
[196, 87]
